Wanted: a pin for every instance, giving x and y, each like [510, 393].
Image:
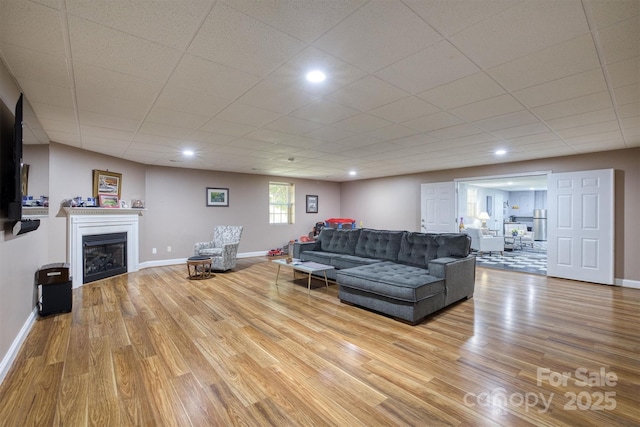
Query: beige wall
[20, 257]
[177, 214]
[394, 202]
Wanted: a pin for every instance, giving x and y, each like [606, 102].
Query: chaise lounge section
[402, 274]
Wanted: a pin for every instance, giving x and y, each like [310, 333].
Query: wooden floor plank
[154, 348]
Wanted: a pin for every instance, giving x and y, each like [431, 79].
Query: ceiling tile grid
[412, 85]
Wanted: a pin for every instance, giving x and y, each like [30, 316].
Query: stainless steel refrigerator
[539, 224]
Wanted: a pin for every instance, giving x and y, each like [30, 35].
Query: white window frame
[282, 212]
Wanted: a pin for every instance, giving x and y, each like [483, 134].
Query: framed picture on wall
[490, 205]
[218, 197]
[312, 204]
[105, 182]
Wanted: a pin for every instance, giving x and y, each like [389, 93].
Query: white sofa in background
[526, 237]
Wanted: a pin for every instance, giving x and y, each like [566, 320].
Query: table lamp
[483, 217]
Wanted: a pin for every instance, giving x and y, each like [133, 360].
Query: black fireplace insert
[103, 255]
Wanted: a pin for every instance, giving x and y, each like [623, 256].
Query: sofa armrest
[201, 245]
[459, 276]
[299, 247]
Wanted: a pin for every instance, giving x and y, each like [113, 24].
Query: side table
[201, 267]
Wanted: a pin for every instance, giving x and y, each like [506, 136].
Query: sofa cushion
[381, 244]
[398, 281]
[418, 249]
[456, 245]
[350, 261]
[317, 256]
[339, 241]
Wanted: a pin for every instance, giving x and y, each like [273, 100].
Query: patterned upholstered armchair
[223, 249]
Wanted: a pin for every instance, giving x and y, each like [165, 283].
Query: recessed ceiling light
[501, 152]
[316, 76]
[188, 153]
[352, 173]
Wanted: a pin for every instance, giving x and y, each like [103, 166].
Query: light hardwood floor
[153, 348]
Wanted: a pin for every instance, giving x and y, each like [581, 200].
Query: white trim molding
[626, 283]
[13, 351]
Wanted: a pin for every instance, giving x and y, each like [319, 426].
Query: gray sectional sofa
[403, 274]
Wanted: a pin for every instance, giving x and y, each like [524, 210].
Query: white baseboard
[11, 355]
[628, 283]
[176, 261]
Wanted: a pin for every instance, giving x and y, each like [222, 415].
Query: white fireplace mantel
[90, 221]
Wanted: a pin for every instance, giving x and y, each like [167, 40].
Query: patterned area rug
[528, 260]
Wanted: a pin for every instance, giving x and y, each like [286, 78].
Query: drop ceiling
[412, 85]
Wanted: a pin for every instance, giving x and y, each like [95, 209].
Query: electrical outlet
[154, 251]
[168, 248]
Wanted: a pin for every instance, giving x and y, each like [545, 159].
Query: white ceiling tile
[32, 26]
[521, 30]
[154, 141]
[60, 126]
[247, 115]
[378, 34]
[176, 118]
[362, 123]
[294, 125]
[628, 94]
[329, 134]
[303, 19]
[620, 41]
[42, 93]
[570, 107]
[469, 89]
[210, 138]
[133, 109]
[165, 130]
[367, 94]
[519, 118]
[274, 97]
[433, 122]
[624, 73]
[293, 72]
[356, 141]
[270, 135]
[112, 84]
[239, 41]
[226, 127]
[404, 109]
[187, 101]
[108, 121]
[607, 12]
[47, 111]
[571, 57]
[428, 68]
[451, 16]
[107, 133]
[595, 146]
[200, 75]
[72, 139]
[118, 51]
[607, 137]
[480, 110]
[524, 130]
[602, 131]
[591, 117]
[457, 131]
[563, 89]
[629, 110]
[170, 23]
[324, 111]
[391, 132]
[36, 66]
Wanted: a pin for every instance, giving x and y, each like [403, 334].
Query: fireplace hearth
[103, 255]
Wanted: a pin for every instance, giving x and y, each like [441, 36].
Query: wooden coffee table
[309, 267]
[201, 267]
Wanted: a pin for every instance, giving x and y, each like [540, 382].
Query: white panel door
[438, 208]
[580, 222]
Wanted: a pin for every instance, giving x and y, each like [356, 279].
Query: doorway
[502, 206]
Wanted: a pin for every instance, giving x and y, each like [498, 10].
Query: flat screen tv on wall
[11, 162]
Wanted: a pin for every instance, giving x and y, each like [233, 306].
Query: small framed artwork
[108, 183]
[218, 197]
[312, 204]
[108, 201]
